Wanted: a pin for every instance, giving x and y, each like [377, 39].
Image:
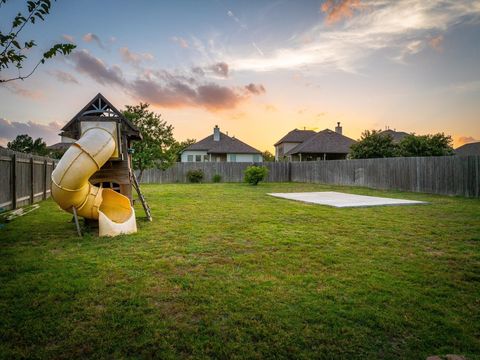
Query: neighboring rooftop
[296, 136]
[224, 145]
[60, 146]
[468, 149]
[396, 135]
[325, 141]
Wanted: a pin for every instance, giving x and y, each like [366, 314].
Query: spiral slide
[71, 188]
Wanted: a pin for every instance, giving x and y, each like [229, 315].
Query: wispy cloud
[18, 89]
[89, 37]
[134, 58]
[95, 68]
[398, 26]
[236, 19]
[64, 76]
[337, 10]
[69, 38]
[10, 129]
[183, 43]
[436, 42]
[461, 140]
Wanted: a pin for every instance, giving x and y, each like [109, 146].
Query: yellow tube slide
[71, 188]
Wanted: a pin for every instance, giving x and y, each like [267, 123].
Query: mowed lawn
[225, 271]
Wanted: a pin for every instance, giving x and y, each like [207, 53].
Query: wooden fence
[24, 178]
[230, 172]
[446, 175]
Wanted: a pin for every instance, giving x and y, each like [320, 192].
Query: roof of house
[325, 141]
[296, 136]
[100, 108]
[468, 149]
[226, 145]
[60, 146]
[396, 135]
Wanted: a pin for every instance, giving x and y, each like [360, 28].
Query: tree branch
[22, 77]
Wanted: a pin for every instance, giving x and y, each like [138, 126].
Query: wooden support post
[77, 223]
[45, 181]
[32, 193]
[14, 181]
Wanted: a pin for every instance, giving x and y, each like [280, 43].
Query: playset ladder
[142, 198]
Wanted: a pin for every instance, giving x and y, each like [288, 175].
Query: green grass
[226, 271]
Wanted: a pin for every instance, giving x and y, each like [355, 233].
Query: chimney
[338, 129]
[216, 133]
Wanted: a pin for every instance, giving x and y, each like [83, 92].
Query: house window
[190, 158]
[198, 158]
[233, 157]
[256, 158]
[205, 158]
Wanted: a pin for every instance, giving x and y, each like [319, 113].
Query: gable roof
[468, 149]
[397, 136]
[325, 141]
[296, 136]
[226, 145]
[99, 106]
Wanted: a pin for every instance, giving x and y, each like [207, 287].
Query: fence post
[32, 165]
[45, 169]
[14, 181]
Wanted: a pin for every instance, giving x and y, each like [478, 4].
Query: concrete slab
[343, 200]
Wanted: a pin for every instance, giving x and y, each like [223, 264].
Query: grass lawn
[226, 271]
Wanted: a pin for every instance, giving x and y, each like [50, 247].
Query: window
[198, 158]
[190, 158]
[256, 158]
[233, 157]
[205, 158]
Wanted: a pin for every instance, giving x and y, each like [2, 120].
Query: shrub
[255, 174]
[217, 178]
[195, 176]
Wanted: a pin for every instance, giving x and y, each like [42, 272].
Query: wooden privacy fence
[24, 178]
[230, 172]
[446, 175]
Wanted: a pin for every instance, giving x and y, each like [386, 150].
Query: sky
[258, 69]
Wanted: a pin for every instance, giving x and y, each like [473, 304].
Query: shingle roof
[296, 136]
[468, 149]
[396, 135]
[325, 141]
[60, 146]
[226, 145]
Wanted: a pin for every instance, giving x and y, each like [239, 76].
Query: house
[324, 145]
[220, 147]
[291, 140]
[397, 136]
[468, 149]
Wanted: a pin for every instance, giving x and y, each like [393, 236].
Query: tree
[157, 135]
[13, 52]
[24, 143]
[268, 156]
[425, 145]
[175, 151]
[373, 144]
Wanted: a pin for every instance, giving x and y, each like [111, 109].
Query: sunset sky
[258, 69]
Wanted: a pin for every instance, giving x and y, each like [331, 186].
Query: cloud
[339, 9]
[17, 89]
[461, 140]
[220, 68]
[181, 42]
[256, 89]
[64, 76]
[163, 88]
[95, 68]
[436, 42]
[134, 58]
[69, 38]
[394, 27]
[236, 19]
[89, 37]
[10, 129]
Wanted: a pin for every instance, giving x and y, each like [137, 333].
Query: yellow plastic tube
[71, 188]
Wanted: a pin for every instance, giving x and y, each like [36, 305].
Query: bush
[255, 174]
[217, 178]
[195, 176]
